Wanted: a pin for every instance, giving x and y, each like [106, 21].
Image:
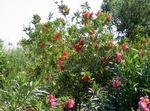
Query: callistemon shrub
[70, 55]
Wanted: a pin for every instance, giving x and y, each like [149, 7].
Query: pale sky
[16, 13]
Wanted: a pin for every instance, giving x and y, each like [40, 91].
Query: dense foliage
[130, 16]
[76, 65]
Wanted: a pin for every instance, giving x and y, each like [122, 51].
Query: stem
[77, 100]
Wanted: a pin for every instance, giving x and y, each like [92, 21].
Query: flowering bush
[83, 65]
[75, 56]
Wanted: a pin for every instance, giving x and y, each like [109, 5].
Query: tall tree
[131, 17]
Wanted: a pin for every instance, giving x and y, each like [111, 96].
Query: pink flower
[53, 103]
[125, 46]
[143, 104]
[142, 53]
[70, 103]
[118, 56]
[52, 100]
[116, 82]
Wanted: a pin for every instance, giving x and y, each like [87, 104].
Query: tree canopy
[131, 17]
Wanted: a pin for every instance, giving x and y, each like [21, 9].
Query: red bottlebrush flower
[110, 44]
[70, 103]
[92, 33]
[118, 57]
[52, 100]
[78, 46]
[59, 61]
[87, 15]
[75, 46]
[65, 52]
[62, 68]
[86, 78]
[125, 46]
[108, 17]
[116, 82]
[65, 57]
[57, 36]
[145, 40]
[81, 42]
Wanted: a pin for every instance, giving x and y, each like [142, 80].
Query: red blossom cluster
[118, 57]
[108, 18]
[78, 46]
[125, 46]
[57, 36]
[64, 56]
[92, 33]
[86, 78]
[87, 15]
[68, 104]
